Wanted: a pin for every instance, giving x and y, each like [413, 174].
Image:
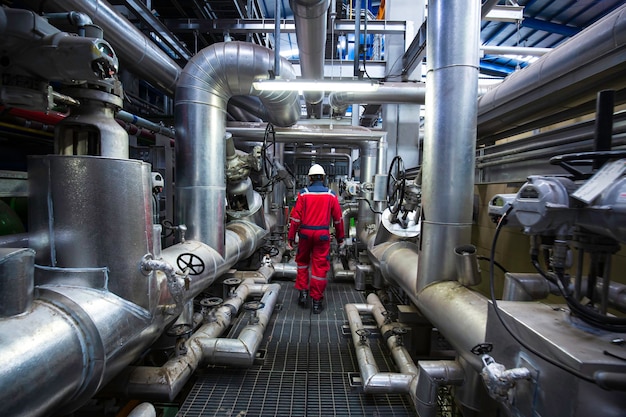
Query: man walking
[315, 206]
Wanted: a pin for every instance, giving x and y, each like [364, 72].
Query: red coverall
[310, 218]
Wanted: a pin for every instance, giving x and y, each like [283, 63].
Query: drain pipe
[450, 137]
[205, 347]
[202, 93]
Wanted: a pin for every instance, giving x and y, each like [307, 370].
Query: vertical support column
[450, 135]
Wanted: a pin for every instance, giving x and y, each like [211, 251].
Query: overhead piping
[569, 76]
[204, 88]
[310, 20]
[409, 93]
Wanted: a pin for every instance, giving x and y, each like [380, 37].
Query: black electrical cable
[613, 324]
[370, 205]
[496, 310]
[484, 258]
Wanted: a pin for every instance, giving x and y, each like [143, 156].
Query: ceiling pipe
[310, 20]
[559, 82]
[449, 136]
[202, 93]
[135, 50]
[401, 93]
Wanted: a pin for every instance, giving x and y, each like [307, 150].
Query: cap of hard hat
[316, 170]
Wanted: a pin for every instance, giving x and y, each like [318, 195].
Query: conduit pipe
[137, 51]
[206, 347]
[567, 77]
[450, 137]
[310, 21]
[202, 93]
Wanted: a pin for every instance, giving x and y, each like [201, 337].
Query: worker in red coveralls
[315, 207]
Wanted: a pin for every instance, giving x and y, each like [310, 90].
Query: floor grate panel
[308, 368]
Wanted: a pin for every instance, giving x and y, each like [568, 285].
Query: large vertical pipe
[310, 21]
[450, 135]
[368, 155]
[205, 86]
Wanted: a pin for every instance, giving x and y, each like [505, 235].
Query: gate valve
[363, 334]
[181, 332]
[208, 308]
[253, 306]
[500, 380]
[398, 332]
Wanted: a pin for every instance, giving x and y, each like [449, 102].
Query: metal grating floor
[306, 367]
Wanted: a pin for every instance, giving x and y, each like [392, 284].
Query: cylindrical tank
[91, 213]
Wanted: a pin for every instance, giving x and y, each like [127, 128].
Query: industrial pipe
[573, 72]
[202, 93]
[450, 137]
[387, 93]
[432, 375]
[310, 21]
[205, 347]
[373, 380]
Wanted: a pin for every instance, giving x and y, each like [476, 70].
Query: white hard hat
[316, 170]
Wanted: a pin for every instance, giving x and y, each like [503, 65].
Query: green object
[10, 222]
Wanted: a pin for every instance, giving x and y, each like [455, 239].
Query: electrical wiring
[612, 324]
[496, 310]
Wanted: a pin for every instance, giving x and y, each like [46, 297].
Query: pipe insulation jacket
[310, 18]
[449, 136]
[202, 93]
[206, 346]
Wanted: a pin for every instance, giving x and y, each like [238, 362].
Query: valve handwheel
[570, 161]
[265, 161]
[396, 181]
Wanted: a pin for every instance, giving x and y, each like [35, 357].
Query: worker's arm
[337, 220]
[295, 220]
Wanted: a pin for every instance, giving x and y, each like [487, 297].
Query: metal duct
[401, 93]
[310, 21]
[204, 88]
[137, 51]
[569, 76]
[450, 136]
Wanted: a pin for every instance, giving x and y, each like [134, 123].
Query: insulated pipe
[401, 356]
[241, 351]
[570, 75]
[450, 136]
[432, 375]
[368, 156]
[310, 22]
[349, 211]
[403, 93]
[140, 54]
[70, 330]
[282, 270]
[202, 93]
[373, 380]
[165, 382]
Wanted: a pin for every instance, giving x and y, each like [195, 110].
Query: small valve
[398, 332]
[253, 306]
[363, 335]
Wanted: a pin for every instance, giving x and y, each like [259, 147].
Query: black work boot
[303, 298]
[317, 306]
